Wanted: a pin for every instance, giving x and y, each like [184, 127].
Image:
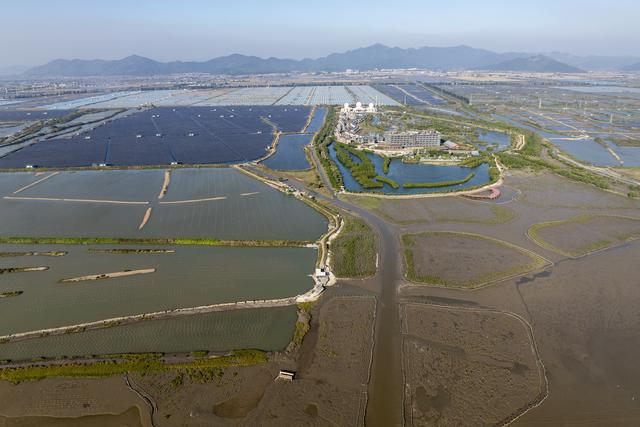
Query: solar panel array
[159, 136]
[424, 95]
[87, 102]
[31, 115]
[280, 95]
[403, 94]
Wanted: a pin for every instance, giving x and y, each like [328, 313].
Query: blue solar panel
[159, 136]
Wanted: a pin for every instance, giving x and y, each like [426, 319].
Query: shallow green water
[192, 276]
[267, 329]
[244, 209]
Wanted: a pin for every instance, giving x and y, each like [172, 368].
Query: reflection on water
[404, 173]
[290, 154]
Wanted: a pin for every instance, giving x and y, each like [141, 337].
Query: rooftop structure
[420, 139]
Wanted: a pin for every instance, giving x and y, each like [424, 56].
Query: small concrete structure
[286, 375]
[321, 272]
[450, 145]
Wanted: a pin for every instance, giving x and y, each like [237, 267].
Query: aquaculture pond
[414, 173]
[317, 120]
[499, 140]
[220, 203]
[290, 154]
[186, 276]
[586, 150]
[629, 155]
[268, 329]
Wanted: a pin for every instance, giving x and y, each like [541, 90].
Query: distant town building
[426, 138]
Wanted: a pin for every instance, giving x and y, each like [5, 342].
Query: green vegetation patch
[464, 260]
[321, 142]
[363, 170]
[353, 251]
[387, 181]
[142, 363]
[529, 158]
[32, 253]
[581, 235]
[386, 164]
[440, 183]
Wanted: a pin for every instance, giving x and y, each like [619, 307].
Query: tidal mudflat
[580, 311]
[466, 366]
[583, 234]
[464, 260]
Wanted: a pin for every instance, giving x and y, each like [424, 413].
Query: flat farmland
[161, 136]
[268, 329]
[206, 203]
[189, 276]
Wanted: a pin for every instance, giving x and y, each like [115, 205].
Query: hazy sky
[36, 31]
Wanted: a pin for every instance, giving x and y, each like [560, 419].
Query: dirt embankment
[114, 275]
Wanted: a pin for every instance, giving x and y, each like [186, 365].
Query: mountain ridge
[536, 64]
[377, 56]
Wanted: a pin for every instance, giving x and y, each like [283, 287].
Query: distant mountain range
[537, 64]
[377, 56]
[632, 67]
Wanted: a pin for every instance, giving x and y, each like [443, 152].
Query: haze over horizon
[199, 30]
